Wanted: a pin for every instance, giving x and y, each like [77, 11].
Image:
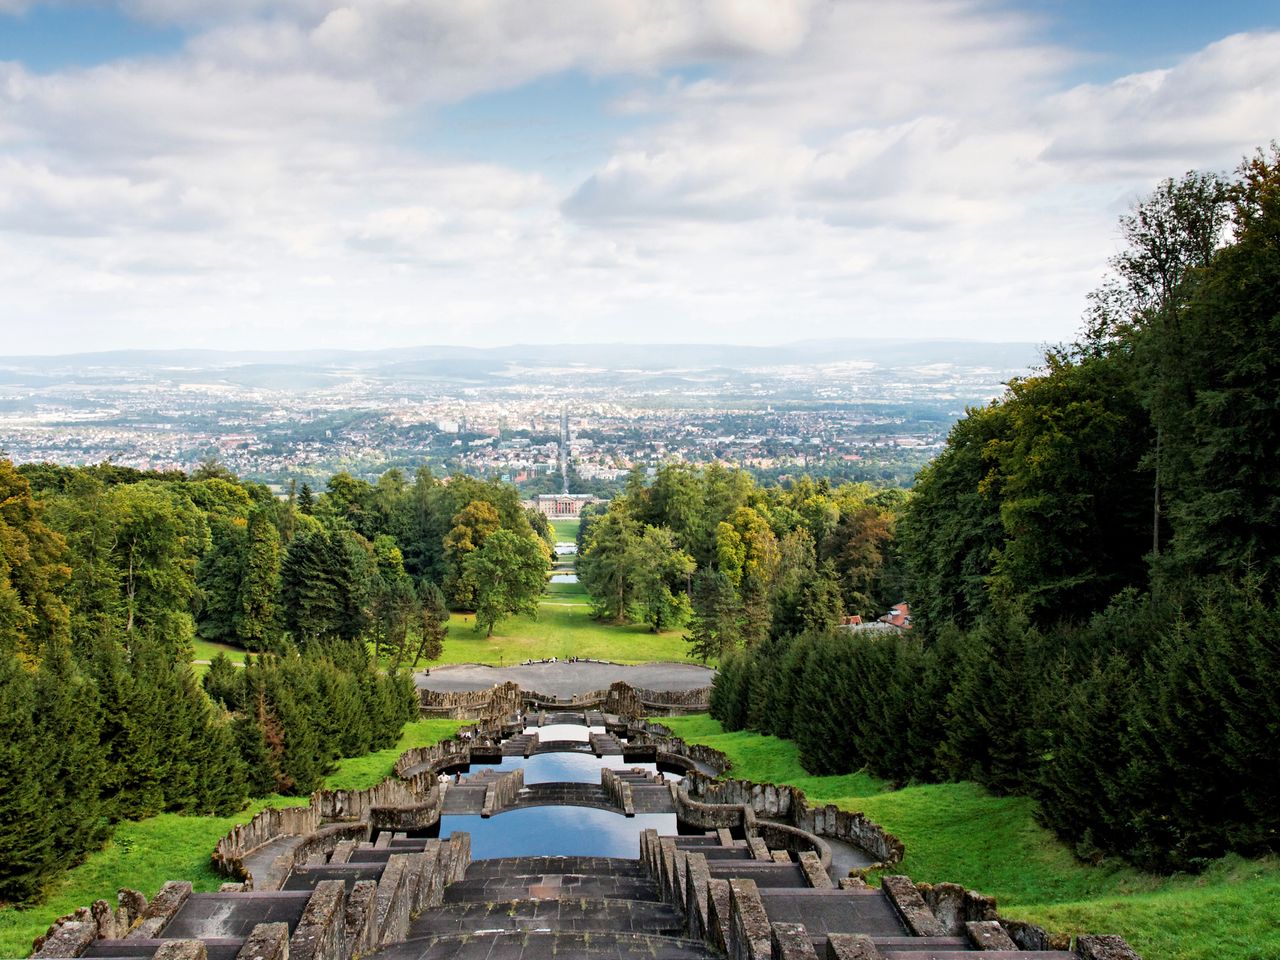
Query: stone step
[542, 946]
[906, 954]
[724, 853]
[598, 866]
[306, 878]
[578, 914]
[692, 842]
[834, 911]
[550, 886]
[912, 946]
[234, 915]
[765, 873]
[217, 949]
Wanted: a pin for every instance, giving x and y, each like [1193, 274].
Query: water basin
[557, 832]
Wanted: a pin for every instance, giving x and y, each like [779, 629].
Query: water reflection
[565, 767]
[564, 731]
[557, 832]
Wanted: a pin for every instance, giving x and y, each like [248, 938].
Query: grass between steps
[144, 854]
[962, 833]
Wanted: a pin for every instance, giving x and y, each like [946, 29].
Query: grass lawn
[566, 529]
[358, 773]
[146, 853]
[563, 628]
[207, 650]
[962, 833]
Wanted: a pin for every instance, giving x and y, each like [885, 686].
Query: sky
[248, 174]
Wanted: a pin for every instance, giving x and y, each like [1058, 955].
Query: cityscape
[866, 410]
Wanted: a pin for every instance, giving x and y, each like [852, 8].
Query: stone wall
[502, 699]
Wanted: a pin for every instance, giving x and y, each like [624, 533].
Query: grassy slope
[146, 853]
[563, 628]
[960, 832]
[565, 529]
[207, 650]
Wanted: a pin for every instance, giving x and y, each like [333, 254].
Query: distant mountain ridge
[479, 361]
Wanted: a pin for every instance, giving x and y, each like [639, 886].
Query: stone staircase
[746, 901]
[544, 907]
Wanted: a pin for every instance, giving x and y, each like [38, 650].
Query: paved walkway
[565, 679]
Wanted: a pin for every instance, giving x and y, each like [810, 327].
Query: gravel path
[565, 679]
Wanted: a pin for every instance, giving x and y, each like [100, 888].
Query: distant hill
[453, 362]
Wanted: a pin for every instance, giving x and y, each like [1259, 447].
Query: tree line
[1092, 566]
[107, 577]
[734, 561]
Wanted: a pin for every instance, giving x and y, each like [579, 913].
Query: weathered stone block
[988, 935]
[696, 875]
[134, 902]
[790, 941]
[161, 910]
[360, 918]
[112, 922]
[321, 932]
[342, 851]
[911, 907]
[1104, 948]
[852, 883]
[393, 901]
[231, 888]
[719, 920]
[814, 875]
[267, 941]
[751, 937]
[851, 946]
[759, 849]
[68, 939]
[181, 950]
[947, 901]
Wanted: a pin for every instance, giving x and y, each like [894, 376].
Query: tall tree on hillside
[472, 526]
[257, 622]
[604, 565]
[433, 622]
[507, 574]
[159, 537]
[660, 572]
[716, 627]
[33, 572]
[1223, 491]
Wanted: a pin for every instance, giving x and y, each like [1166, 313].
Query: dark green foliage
[717, 616]
[294, 715]
[50, 763]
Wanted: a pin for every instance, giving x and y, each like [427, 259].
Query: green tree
[256, 622]
[717, 616]
[507, 574]
[433, 622]
[660, 572]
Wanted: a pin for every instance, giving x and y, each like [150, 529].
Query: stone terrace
[344, 880]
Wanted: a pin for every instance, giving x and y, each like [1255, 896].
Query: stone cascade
[746, 901]
[754, 873]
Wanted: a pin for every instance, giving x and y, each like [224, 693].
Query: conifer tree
[256, 621]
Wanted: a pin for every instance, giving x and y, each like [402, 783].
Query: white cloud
[825, 168]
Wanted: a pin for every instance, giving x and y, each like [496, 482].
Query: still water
[565, 767]
[557, 832]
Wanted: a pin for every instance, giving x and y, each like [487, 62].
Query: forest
[108, 575]
[1091, 565]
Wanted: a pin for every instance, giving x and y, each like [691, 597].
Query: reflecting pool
[565, 767]
[557, 832]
